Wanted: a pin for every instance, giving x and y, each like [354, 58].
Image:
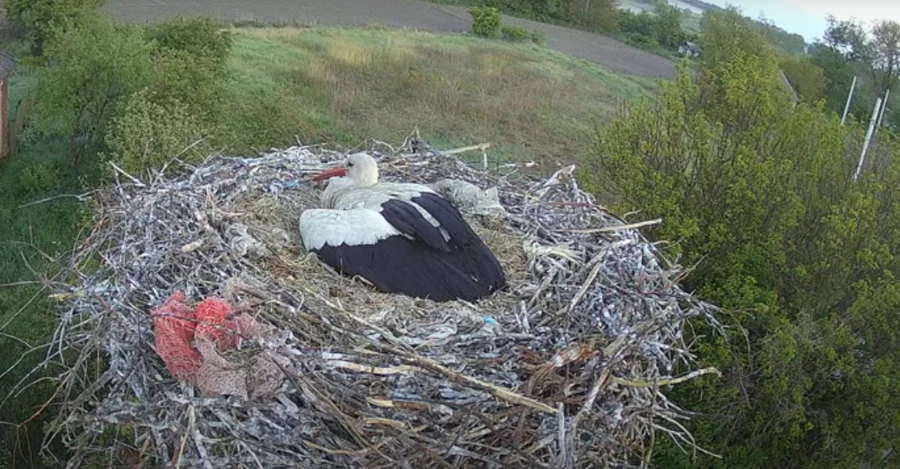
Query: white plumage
[319, 227]
[403, 238]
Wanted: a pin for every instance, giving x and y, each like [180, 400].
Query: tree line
[760, 203]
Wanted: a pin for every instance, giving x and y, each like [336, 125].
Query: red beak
[330, 173]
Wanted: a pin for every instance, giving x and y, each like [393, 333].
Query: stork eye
[349, 165]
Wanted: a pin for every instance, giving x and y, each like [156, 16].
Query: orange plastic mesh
[173, 329]
[189, 340]
[211, 324]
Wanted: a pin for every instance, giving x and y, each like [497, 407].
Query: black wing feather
[478, 259]
[400, 265]
[425, 265]
[406, 219]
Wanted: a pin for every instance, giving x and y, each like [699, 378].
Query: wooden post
[862, 156]
[4, 117]
[22, 111]
[849, 98]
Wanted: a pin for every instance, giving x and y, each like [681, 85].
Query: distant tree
[597, 15]
[839, 73]
[789, 43]
[91, 69]
[190, 65]
[849, 37]
[668, 29]
[878, 50]
[885, 48]
[807, 78]
[201, 38]
[592, 15]
[43, 18]
[147, 135]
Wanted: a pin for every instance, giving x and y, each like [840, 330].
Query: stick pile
[565, 369]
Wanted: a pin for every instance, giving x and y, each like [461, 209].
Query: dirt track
[409, 14]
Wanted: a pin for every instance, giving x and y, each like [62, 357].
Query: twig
[665, 381]
[79, 197]
[611, 228]
[496, 391]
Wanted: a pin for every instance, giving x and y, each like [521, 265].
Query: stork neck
[335, 187]
[368, 179]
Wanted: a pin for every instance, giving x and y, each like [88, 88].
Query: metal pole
[862, 156]
[849, 97]
[883, 108]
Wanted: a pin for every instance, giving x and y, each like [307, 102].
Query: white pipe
[883, 108]
[849, 97]
[862, 156]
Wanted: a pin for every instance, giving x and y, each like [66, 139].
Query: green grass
[345, 85]
[31, 238]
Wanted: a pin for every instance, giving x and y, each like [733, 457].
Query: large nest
[563, 369]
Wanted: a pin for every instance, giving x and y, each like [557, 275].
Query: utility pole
[849, 97]
[883, 108]
[862, 156]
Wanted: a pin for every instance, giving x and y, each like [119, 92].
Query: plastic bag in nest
[243, 243]
[471, 198]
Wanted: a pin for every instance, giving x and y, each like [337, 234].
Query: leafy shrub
[663, 28]
[514, 33]
[593, 15]
[641, 41]
[96, 67]
[37, 178]
[202, 39]
[667, 25]
[538, 37]
[146, 135]
[486, 21]
[806, 78]
[195, 82]
[759, 196]
[42, 19]
[637, 23]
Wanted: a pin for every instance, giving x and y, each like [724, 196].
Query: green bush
[42, 19]
[37, 178]
[591, 15]
[758, 198]
[181, 78]
[146, 135]
[645, 30]
[515, 33]
[202, 39]
[806, 78]
[96, 67]
[641, 41]
[637, 23]
[538, 37]
[486, 21]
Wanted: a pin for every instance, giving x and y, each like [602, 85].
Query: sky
[807, 17]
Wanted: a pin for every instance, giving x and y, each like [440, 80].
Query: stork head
[360, 168]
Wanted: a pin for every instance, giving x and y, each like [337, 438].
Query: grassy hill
[345, 85]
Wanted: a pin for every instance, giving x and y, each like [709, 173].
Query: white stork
[403, 238]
